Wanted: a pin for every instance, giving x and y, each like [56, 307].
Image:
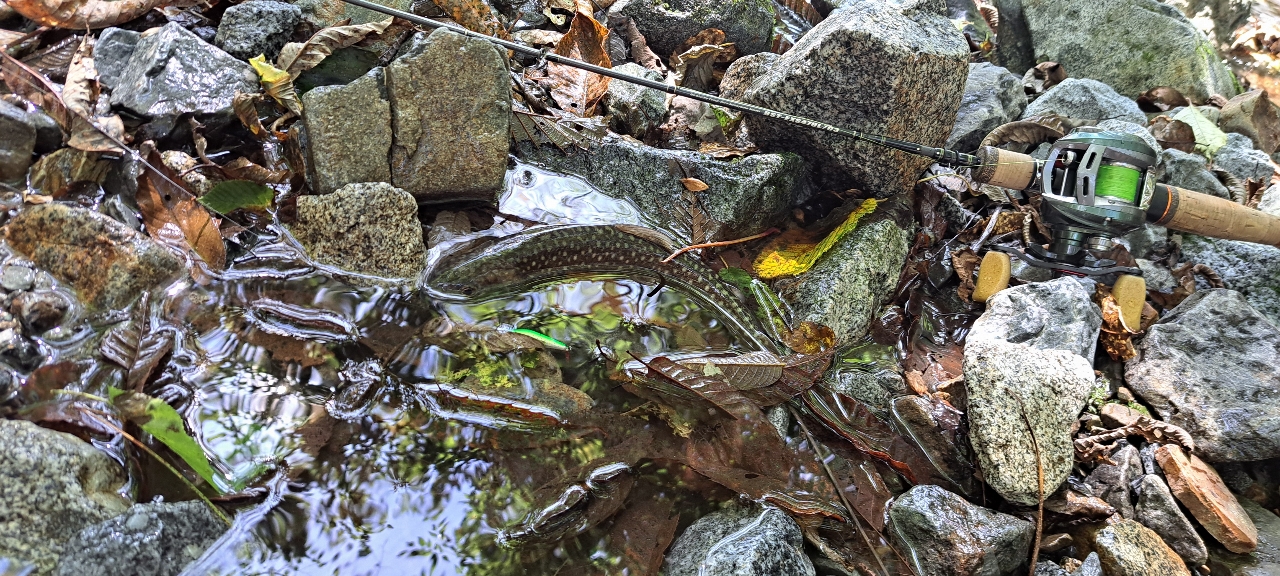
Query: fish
[545, 255]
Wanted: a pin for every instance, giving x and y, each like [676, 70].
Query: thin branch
[673, 255]
[1035, 446]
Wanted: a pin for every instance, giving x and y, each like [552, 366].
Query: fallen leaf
[693, 184]
[244, 169]
[172, 214]
[246, 109]
[964, 261]
[1161, 99]
[576, 90]
[89, 133]
[226, 197]
[296, 58]
[53, 60]
[781, 259]
[809, 338]
[640, 51]
[1116, 338]
[474, 15]
[1208, 137]
[693, 69]
[136, 346]
[723, 152]
[160, 420]
[565, 133]
[1051, 72]
[744, 371]
[1173, 134]
[806, 10]
[82, 14]
[277, 83]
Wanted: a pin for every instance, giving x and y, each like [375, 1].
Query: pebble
[17, 277]
[257, 27]
[368, 228]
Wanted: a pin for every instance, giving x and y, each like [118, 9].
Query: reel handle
[1206, 215]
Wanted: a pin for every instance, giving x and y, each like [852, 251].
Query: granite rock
[1190, 171]
[1250, 269]
[1139, 130]
[1239, 159]
[739, 541]
[257, 27]
[1208, 366]
[1053, 315]
[348, 133]
[946, 535]
[1120, 42]
[666, 25]
[429, 159]
[172, 72]
[1158, 511]
[1254, 115]
[106, 262]
[1014, 50]
[1085, 99]
[1270, 202]
[52, 485]
[633, 109]
[154, 539]
[366, 228]
[992, 96]
[1127, 548]
[891, 68]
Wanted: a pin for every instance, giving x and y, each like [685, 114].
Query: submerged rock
[257, 27]
[743, 196]
[449, 145]
[17, 143]
[634, 109]
[1085, 99]
[348, 133]
[945, 535]
[1190, 171]
[106, 262]
[368, 228]
[1209, 366]
[1132, 45]
[1127, 548]
[740, 541]
[154, 539]
[1053, 315]
[889, 68]
[666, 25]
[992, 96]
[1198, 487]
[172, 71]
[1158, 511]
[1239, 159]
[51, 486]
[1265, 560]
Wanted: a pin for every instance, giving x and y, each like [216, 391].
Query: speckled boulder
[1057, 314]
[155, 539]
[368, 228]
[947, 535]
[1190, 171]
[1128, 548]
[740, 541]
[108, 263]
[896, 69]
[257, 27]
[1251, 269]
[1131, 45]
[52, 485]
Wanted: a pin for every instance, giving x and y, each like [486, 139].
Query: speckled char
[876, 66]
[108, 263]
[549, 254]
[450, 106]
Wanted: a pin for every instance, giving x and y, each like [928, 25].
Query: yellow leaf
[777, 261]
[278, 84]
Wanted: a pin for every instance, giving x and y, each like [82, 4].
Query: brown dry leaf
[575, 90]
[1116, 338]
[89, 133]
[246, 109]
[744, 372]
[640, 51]
[83, 14]
[1174, 134]
[1253, 190]
[35, 88]
[708, 36]
[806, 10]
[915, 381]
[55, 171]
[173, 214]
[53, 60]
[8, 37]
[964, 261]
[694, 68]
[693, 184]
[243, 169]
[296, 58]
[473, 15]
[1052, 73]
[1161, 99]
[723, 152]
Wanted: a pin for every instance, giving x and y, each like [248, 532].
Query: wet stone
[154, 539]
[1270, 202]
[1190, 171]
[666, 25]
[369, 228]
[1112, 482]
[52, 485]
[257, 27]
[992, 96]
[875, 388]
[449, 145]
[48, 133]
[348, 133]
[172, 72]
[947, 535]
[1198, 487]
[1208, 366]
[891, 68]
[1085, 99]
[16, 277]
[111, 53]
[634, 109]
[740, 541]
[1127, 548]
[1264, 561]
[107, 263]
[1053, 315]
[1239, 159]
[1158, 511]
[17, 142]
[39, 311]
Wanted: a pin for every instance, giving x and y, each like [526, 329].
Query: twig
[721, 243]
[817, 452]
[1035, 446]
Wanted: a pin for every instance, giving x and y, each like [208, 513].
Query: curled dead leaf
[964, 261]
[296, 58]
[1161, 99]
[1173, 134]
[244, 169]
[1028, 132]
[82, 14]
[694, 68]
[173, 215]
[474, 15]
[576, 90]
[277, 84]
[693, 184]
[246, 109]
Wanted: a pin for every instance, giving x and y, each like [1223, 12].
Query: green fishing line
[1118, 182]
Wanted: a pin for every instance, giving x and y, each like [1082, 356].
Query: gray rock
[1111, 482]
[947, 535]
[1139, 130]
[172, 72]
[429, 159]
[744, 196]
[846, 287]
[1028, 273]
[348, 133]
[17, 143]
[1119, 42]
[257, 27]
[1264, 561]
[634, 109]
[1127, 548]
[875, 388]
[1047, 568]
[1085, 99]
[1208, 366]
[666, 25]
[1248, 268]
[1239, 159]
[1140, 242]
[1014, 50]
[48, 133]
[895, 69]
[1190, 171]
[367, 228]
[52, 485]
[17, 277]
[1270, 202]
[40, 310]
[111, 54]
[992, 96]
[1092, 566]
[739, 541]
[1054, 315]
[1158, 511]
[154, 539]
[922, 420]
[1158, 277]
[1005, 380]
[1225, 15]
[107, 263]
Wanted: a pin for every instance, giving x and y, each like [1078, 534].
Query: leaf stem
[673, 255]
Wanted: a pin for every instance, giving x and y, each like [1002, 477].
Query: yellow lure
[790, 260]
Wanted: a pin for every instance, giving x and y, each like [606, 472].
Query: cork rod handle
[1206, 215]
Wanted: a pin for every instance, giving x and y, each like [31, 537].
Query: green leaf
[165, 424]
[1208, 137]
[736, 276]
[234, 194]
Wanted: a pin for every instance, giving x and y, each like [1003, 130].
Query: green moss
[1140, 408]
